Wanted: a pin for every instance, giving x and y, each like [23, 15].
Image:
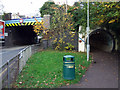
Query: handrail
[14, 56]
[16, 66]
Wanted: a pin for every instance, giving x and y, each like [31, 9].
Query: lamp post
[66, 6]
[88, 29]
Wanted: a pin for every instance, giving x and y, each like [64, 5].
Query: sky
[28, 7]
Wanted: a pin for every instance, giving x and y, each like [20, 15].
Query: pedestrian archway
[102, 40]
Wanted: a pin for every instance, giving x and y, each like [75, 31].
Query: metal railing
[10, 70]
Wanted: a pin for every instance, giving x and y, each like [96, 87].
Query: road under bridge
[20, 31]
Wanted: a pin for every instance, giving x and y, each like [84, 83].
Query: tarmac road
[103, 72]
[8, 53]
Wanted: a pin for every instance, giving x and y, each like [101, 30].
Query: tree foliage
[39, 28]
[103, 14]
[46, 8]
[62, 28]
[78, 10]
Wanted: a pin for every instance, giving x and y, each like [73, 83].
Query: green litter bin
[69, 67]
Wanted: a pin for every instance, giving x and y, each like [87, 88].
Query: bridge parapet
[23, 21]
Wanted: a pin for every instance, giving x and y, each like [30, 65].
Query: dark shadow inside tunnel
[23, 35]
[101, 40]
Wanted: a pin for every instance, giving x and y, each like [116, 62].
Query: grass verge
[45, 70]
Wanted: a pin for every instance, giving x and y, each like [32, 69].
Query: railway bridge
[21, 32]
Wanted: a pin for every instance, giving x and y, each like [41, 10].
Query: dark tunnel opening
[101, 40]
[23, 35]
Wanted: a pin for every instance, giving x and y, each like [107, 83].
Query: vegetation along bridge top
[22, 22]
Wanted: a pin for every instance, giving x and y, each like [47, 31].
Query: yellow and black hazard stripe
[20, 24]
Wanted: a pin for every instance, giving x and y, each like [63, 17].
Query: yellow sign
[69, 66]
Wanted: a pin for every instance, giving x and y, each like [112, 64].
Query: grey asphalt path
[8, 53]
[102, 73]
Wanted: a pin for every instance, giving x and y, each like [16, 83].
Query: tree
[62, 29]
[46, 8]
[103, 14]
[78, 10]
[39, 28]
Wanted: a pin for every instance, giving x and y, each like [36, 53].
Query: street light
[88, 29]
[66, 6]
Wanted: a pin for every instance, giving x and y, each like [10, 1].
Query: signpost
[21, 20]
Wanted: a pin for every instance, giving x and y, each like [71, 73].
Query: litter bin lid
[68, 56]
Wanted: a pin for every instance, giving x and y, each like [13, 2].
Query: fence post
[18, 63]
[30, 50]
[8, 71]
[0, 78]
[0, 71]
[24, 58]
[27, 54]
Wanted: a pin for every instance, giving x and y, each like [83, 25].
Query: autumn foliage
[102, 14]
[63, 29]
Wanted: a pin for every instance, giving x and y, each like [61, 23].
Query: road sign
[81, 40]
[21, 20]
[5, 34]
[2, 29]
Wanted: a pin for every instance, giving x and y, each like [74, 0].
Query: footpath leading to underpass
[103, 72]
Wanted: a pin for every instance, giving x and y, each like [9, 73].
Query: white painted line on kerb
[3, 52]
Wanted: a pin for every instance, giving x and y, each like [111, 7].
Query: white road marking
[2, 52]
